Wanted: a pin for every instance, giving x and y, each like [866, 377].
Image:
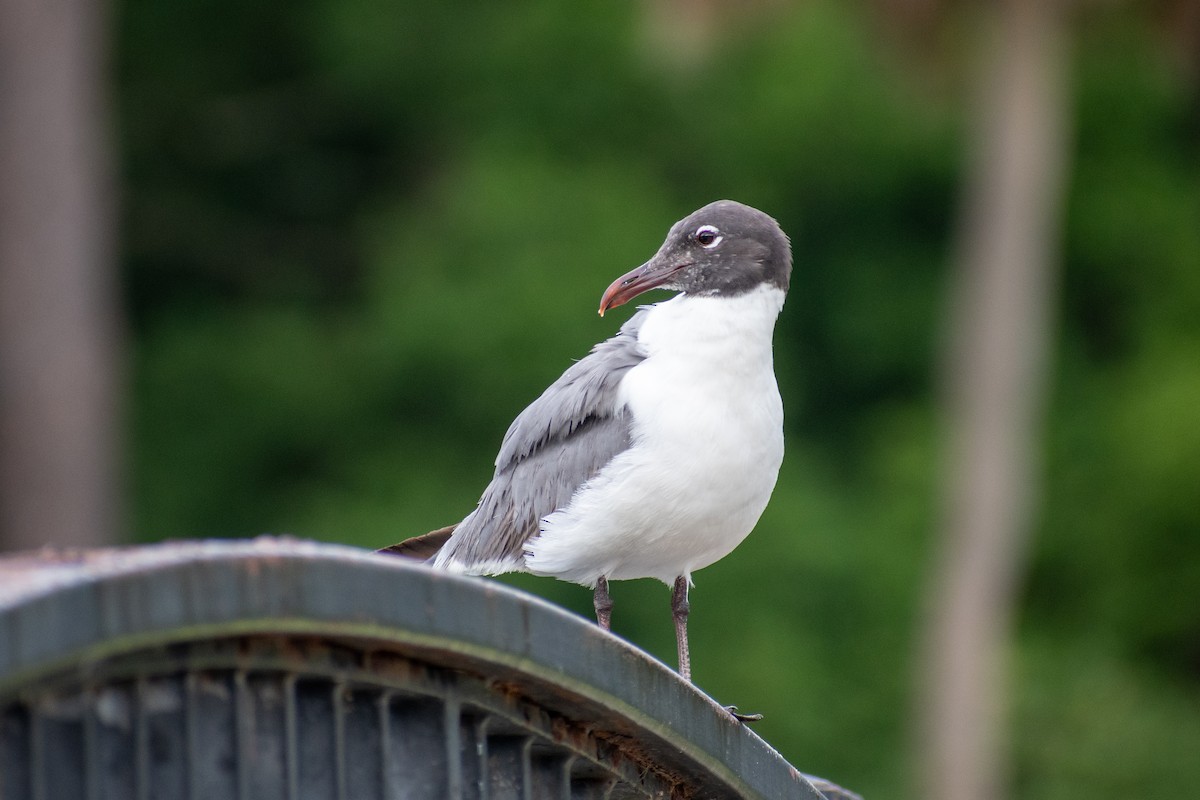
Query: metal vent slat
[551, 775]
[213, 766]
[16, 753]
[507, 770]
[268, 737]
[417, 755]
[472, 752]
[363, 762]
[338, 694]
[291, 739]
[112, 743]
[165, 714]
[316, 746]
[61, 745]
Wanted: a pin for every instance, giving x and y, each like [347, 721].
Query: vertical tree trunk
[999, 338]
[58, 320]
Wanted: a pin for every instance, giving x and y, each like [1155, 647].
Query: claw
[743, 718]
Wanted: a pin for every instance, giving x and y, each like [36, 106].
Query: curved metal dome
[286, 669]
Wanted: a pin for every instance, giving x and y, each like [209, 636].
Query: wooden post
[58, 320]
[999, 339]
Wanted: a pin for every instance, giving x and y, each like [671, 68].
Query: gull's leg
[679, 610]
[603, 604]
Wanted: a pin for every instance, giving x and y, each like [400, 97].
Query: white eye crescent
[708, 236]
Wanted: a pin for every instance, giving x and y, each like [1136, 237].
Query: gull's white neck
[728, 330]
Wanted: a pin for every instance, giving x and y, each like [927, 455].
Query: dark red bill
[631, 284]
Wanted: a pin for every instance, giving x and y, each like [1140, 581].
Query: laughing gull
[655, 455]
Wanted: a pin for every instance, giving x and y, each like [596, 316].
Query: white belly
[707, 446]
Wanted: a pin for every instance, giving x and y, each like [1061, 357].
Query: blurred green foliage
[361, 236]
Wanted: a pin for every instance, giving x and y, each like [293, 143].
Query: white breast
[707, 445]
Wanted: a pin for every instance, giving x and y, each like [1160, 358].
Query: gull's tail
[421, 548]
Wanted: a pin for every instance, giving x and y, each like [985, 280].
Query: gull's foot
[831, 790]
[744, 718]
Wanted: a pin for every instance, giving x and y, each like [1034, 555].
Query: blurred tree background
[359, 237]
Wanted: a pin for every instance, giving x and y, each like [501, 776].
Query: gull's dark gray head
[724, 249]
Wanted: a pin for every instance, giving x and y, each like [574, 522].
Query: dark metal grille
[237, 719]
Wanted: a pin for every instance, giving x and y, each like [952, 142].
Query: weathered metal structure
[294, 670]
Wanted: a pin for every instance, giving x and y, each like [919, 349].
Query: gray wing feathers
[556, 444]
[586, 390]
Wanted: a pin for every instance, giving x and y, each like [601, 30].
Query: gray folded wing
[556, 444]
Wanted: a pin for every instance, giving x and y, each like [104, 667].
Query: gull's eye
[708, 236]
